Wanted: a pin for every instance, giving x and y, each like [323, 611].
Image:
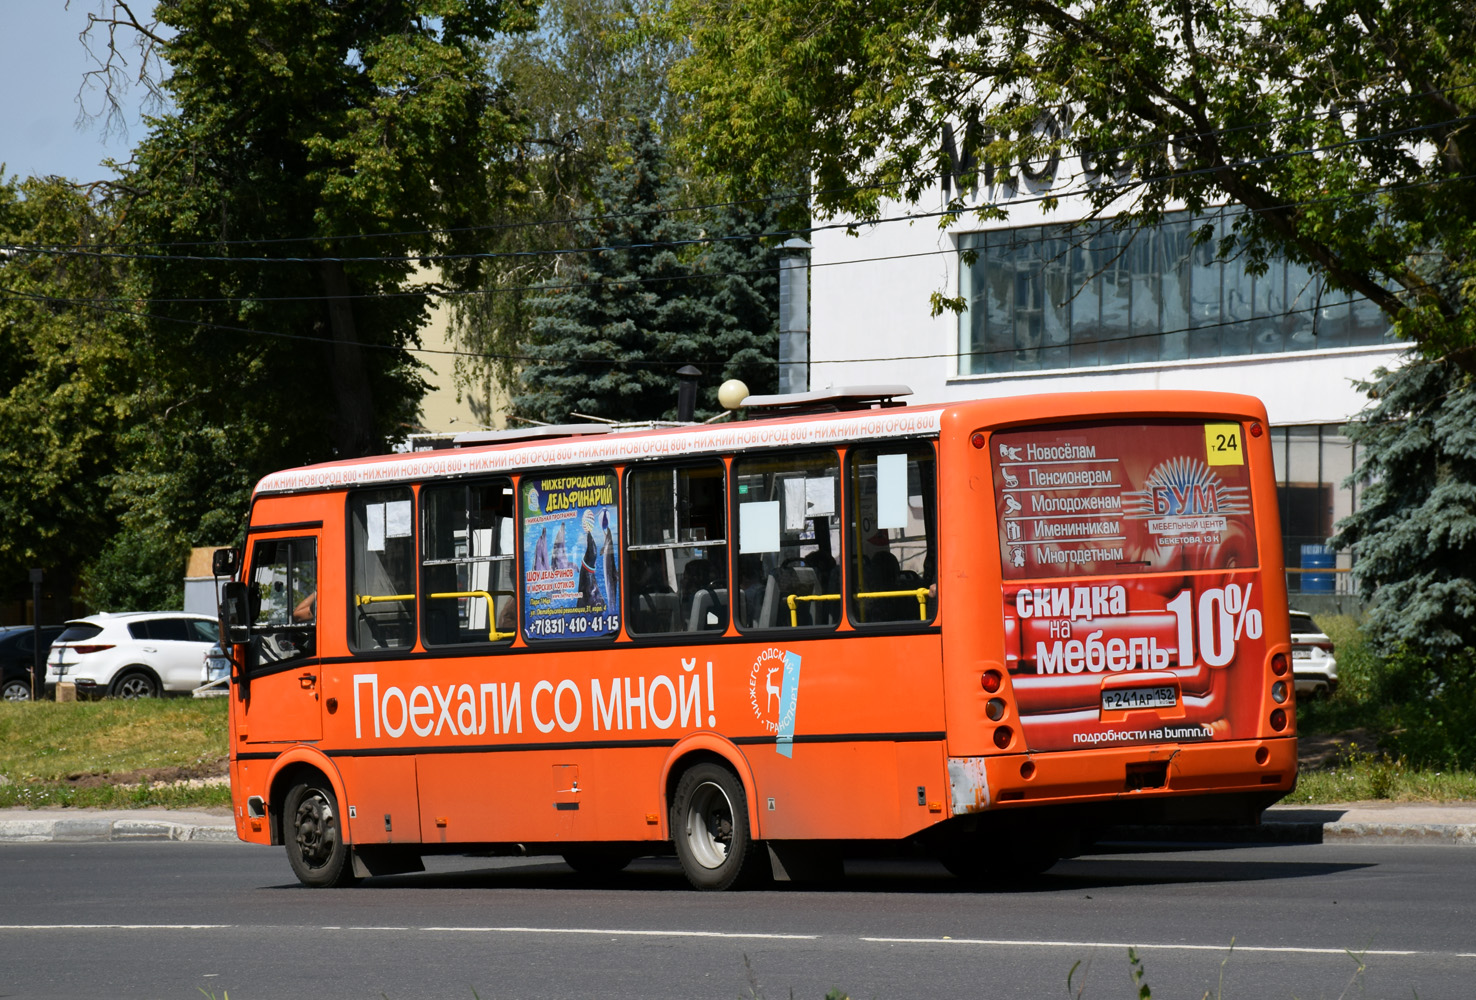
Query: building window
[1081, 295]
[1314, 466]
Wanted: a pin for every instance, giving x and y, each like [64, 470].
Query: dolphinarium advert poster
[571, 585]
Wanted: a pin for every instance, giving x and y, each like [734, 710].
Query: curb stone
[1301, 833]
[100, 830]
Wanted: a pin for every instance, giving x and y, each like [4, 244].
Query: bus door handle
[307, 680]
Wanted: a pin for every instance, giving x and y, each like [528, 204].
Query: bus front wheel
[315, 845]
[709, 825]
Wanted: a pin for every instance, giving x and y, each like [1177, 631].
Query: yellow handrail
[492, 634]
[792, 600]
[362, 599]
[921, 593]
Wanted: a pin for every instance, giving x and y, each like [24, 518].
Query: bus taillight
[1278, 664]
[1278, 692]
[995, 709]
[991, 680]
[1278, 720]
[1003, 735]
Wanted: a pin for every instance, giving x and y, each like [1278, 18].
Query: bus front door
[281, 699]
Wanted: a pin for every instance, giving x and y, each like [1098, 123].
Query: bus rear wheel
[315, 845]
[709, 825]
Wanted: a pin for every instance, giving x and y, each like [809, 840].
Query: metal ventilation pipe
[794, 316]
[687, 392]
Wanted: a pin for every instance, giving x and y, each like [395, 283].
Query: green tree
[591, 67]
[65, 382]
[275, 218]
[616, 322]
[605, 329]
[1343, 127]
[1415, 528]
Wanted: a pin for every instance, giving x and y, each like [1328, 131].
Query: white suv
[140, 654]
[1314, 667]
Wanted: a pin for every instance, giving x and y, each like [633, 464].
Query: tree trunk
[353, 433]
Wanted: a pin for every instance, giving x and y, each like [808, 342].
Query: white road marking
[626, 933]
[1279, 949]
[115, 927]
[593, 931]
[742, 935]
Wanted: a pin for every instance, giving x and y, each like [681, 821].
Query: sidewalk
[1362, 822]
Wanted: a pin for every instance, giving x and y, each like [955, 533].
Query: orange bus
[980, 630]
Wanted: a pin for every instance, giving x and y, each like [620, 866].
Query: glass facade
[1082, 295]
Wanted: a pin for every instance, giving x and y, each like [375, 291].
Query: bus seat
[656, 613]
[705, 604]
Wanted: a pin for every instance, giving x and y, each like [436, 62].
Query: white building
[1056, 304]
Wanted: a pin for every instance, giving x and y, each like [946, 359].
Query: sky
[41, 69]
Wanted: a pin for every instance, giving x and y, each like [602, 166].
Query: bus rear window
[1108, 499]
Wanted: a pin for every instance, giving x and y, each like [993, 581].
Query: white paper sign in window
[758, 526]
[891, 491]
[374, 527]
[397, 519]
[819, 497]
[794, 504]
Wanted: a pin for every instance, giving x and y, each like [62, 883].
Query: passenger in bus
[827, 578]
[751, 582]
[507, 618]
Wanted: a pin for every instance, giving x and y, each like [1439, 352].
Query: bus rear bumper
[1152, 781]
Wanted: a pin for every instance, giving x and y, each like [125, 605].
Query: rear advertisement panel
[1132, 612]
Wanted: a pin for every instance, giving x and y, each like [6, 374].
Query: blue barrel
[1317, 557]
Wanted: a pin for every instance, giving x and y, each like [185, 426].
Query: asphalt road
[167, 920]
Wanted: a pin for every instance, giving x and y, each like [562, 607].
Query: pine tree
[617, 322]
[1414, 533]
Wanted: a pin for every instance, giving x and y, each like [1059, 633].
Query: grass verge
[1370, 728]
[167, 753]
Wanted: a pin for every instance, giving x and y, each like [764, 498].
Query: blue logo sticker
[788, 695]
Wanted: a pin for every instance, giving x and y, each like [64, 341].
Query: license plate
[1145, 697]
[1301, 654]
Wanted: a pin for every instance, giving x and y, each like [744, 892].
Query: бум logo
[1184, 487]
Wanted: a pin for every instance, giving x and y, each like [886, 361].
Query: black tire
[15, 689]
[314, 836]
[709, 825]
[595, 862]
[134, 683]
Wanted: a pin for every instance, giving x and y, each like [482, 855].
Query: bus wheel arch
[712, 749]
[295, 767]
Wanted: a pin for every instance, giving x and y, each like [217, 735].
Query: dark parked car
[17, 653]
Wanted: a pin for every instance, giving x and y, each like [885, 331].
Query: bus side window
[284, 597]
[788, 534]
[466, 582]
[382, 569]
[677, 556]
[893, 531]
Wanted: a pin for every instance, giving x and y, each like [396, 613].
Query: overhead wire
[773, 199]
[1122, 188]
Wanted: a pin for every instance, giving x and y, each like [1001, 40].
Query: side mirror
[223, 562]
[235, 620]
